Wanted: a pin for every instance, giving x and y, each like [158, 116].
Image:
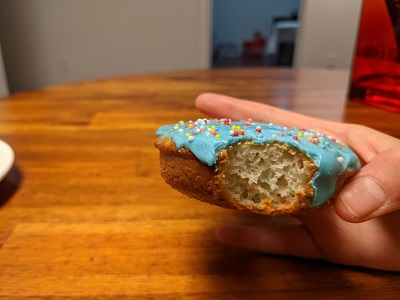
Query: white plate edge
[7, 157]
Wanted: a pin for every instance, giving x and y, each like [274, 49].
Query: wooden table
[84, 213]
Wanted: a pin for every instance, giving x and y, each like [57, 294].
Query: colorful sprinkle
[209, 128]
[191, 125]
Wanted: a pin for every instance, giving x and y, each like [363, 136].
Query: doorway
[254, 32]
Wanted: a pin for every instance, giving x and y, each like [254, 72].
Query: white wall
[327, 33]
[235, 21]
[47, 42]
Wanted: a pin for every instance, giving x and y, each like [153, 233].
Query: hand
[361, 228]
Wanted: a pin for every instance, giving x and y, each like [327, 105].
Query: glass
[375, 78]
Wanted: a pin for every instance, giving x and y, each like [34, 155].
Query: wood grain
[84, 213]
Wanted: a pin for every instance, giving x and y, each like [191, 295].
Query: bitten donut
[257, 167]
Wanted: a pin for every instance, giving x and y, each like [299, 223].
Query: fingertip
[202, 97]
[214, 105]
[205, 103]
[206, 98]
[344, 212]
[359, 200]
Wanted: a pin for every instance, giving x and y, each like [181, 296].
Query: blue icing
[205, 138]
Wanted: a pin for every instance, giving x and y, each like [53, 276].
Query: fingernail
[362, 197]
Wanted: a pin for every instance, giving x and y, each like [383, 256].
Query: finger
[367, 142]
[373, 191]
[220, 106]
[291, 240]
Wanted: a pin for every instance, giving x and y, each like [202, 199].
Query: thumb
[372, 192]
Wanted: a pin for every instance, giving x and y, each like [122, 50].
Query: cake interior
[273, 174]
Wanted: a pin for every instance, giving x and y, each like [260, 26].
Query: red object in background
[376, 67]
[254, 48]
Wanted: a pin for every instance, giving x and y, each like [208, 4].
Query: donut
[258, 167]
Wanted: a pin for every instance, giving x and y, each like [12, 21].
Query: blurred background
[47, 42]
